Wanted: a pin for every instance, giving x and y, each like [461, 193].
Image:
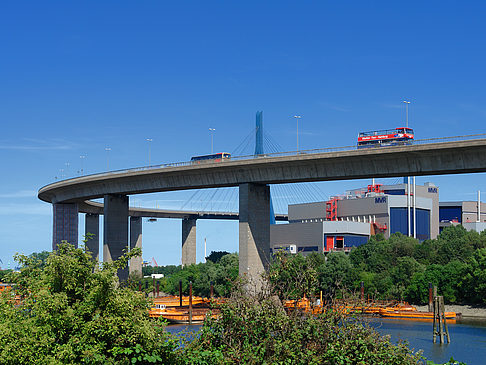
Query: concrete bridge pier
[65, 224]
[188, 241]
[254, 232]
[115, 232]
[135, 268]
[92, 234]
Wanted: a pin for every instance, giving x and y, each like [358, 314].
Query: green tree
[447, 278]
[215, 256]
[293, 276]
[73, 312]
[473, 283]
[336, 272]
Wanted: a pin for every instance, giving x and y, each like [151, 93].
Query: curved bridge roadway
[252, 176]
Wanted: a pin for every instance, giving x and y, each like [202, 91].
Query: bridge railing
[291, 153]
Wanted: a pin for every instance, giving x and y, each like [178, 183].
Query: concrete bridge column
[65, 224]
[254, 232]
[135, 267]
[115, 232]
[92, 234]
[188, 241]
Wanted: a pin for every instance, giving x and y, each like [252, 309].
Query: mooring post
[445, 321]
[158, 287]
[190, 302]
[430, 297]
[211, 290]
[434, 326]
[180, 293]
[153, 287]
[362, 291]
[441, 329]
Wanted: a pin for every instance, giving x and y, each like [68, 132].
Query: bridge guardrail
[290, 153]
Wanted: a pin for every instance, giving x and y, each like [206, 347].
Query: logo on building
[381, 199]
[433, 190]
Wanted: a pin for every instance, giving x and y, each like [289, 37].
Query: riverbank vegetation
[255, 329]
[396, 268]
[69, 310]
[220, 269]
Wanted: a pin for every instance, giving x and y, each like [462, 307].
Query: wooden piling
[446, 330]
[362, 291]
[180, 293]
[439, 327]
[190, 302]
[431, 297]
[153, 287]
[434, 325]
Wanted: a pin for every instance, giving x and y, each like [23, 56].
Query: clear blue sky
[78, 76]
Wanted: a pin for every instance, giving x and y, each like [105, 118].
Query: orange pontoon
[403, 314]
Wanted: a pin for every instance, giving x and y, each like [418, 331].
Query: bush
[257, 330]
[74, 312]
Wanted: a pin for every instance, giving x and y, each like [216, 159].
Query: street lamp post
[107, 149]
[297, 117]
[406, 111]
[82, 157]
[149, 140]
[212, 133]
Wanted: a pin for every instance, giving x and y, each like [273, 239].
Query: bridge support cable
[244, 145]
[190, 199]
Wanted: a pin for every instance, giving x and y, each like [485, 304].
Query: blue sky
[79, 76]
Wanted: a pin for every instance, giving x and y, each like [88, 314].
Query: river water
[468, 337]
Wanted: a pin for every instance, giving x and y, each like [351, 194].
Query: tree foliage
[256, 330]
[71, 311]
[398, 268]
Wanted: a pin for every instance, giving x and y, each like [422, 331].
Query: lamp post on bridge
[82, 157]
[406, 111]
[107, 149]
[149, 140]
[211, 130]
[297, 117]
